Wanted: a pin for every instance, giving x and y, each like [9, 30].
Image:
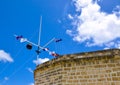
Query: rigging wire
[16, 55]
[21, 49]
[16, 70]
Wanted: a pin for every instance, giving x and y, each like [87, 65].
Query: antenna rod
[39, 38]
[49, 42]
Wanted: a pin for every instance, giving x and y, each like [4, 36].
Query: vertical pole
[39, 38]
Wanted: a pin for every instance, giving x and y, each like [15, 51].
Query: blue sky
[83, 25]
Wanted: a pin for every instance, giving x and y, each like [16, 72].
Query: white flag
[23, 40]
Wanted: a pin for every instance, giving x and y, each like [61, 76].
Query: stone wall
[89, 68]
[49, 75]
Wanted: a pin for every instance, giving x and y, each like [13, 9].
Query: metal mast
[39, 39]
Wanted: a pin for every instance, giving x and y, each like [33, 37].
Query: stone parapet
[88, 68]
[101, 53]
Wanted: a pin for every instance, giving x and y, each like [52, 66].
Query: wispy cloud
[93, 26]
[30, 70]
[40, 60]
[4, 56]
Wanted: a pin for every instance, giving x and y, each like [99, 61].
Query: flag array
[29, 46]
[21, 38]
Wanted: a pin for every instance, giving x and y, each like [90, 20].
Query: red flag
[54, 54]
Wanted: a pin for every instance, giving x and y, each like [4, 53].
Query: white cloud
[31, 84]
[5, 56]
[106, 48]
[117, 10]
[30, 70]
[118, 7]
[40, 60]
[94, 26]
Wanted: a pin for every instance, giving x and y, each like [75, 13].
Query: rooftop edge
[98, 53]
